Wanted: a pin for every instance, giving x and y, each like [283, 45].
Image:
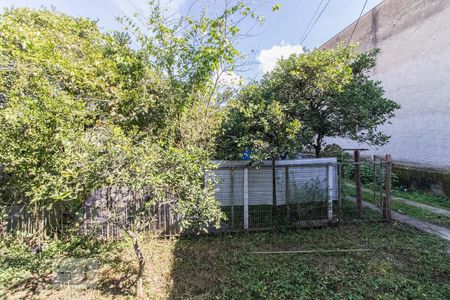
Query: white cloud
[231, 79]
[228, 79]
[129, 7]
[268, 57]
[173, 7]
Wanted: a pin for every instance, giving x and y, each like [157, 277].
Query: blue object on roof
[247, 154]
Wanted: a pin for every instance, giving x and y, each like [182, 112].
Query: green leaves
[276, 7]
[260, 124]
[82, 110]
[326, 91]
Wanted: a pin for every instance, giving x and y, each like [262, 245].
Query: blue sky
[278, 36]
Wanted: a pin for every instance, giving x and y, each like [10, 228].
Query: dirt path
[420, 225]
[432, 209]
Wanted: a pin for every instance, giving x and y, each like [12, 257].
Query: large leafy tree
[56, 82]
[331, 92]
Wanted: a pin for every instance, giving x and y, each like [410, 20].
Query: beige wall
[414, 68]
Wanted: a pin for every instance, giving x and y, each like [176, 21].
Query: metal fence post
[286, 191]
[358, 183]
[340, 174]
[387, 198]
[330, 179]
[232, 196]
[274, 194]
[246, 198]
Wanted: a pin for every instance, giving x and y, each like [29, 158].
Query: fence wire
[293, 193]
[296, 193]
[372, 181]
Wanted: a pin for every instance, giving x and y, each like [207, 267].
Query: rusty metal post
[358, 182]
[387, 197]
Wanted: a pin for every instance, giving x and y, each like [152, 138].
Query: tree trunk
[318, 146]
[140, 293]
[317, 151]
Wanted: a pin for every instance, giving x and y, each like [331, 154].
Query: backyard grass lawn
[401, 263]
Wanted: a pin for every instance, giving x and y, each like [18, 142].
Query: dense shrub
[82, 110]
[334, 150]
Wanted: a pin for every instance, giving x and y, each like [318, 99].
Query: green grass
[402, 263]
[403, 208]
[421, 197]
[26, 272]
[429, 199]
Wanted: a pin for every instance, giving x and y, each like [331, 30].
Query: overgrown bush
[82, 110]
[370, 173]
[334, 150]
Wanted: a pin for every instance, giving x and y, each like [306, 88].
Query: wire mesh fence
[288, 193]
[364, 190]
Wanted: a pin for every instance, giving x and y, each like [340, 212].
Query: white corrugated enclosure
[296, 182]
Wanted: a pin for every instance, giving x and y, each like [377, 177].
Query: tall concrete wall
[414, 68]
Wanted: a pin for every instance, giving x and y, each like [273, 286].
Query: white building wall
[414, 68]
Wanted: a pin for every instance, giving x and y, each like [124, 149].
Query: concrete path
[420, 225]
[432, 209]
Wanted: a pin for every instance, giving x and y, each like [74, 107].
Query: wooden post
[358, 183]
[330, 187]
[246, 198]
[387, 197]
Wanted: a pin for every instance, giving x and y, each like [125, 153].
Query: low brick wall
[424, 180]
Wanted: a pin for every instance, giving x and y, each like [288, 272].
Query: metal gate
[365, 189]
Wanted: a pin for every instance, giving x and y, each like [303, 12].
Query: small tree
[261, 126]
[105, 158]
[331, 92]
[191, 54]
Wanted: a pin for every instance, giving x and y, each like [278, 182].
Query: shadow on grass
[118, 279]
[25, 275]
[401, 263]
[31, 287]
